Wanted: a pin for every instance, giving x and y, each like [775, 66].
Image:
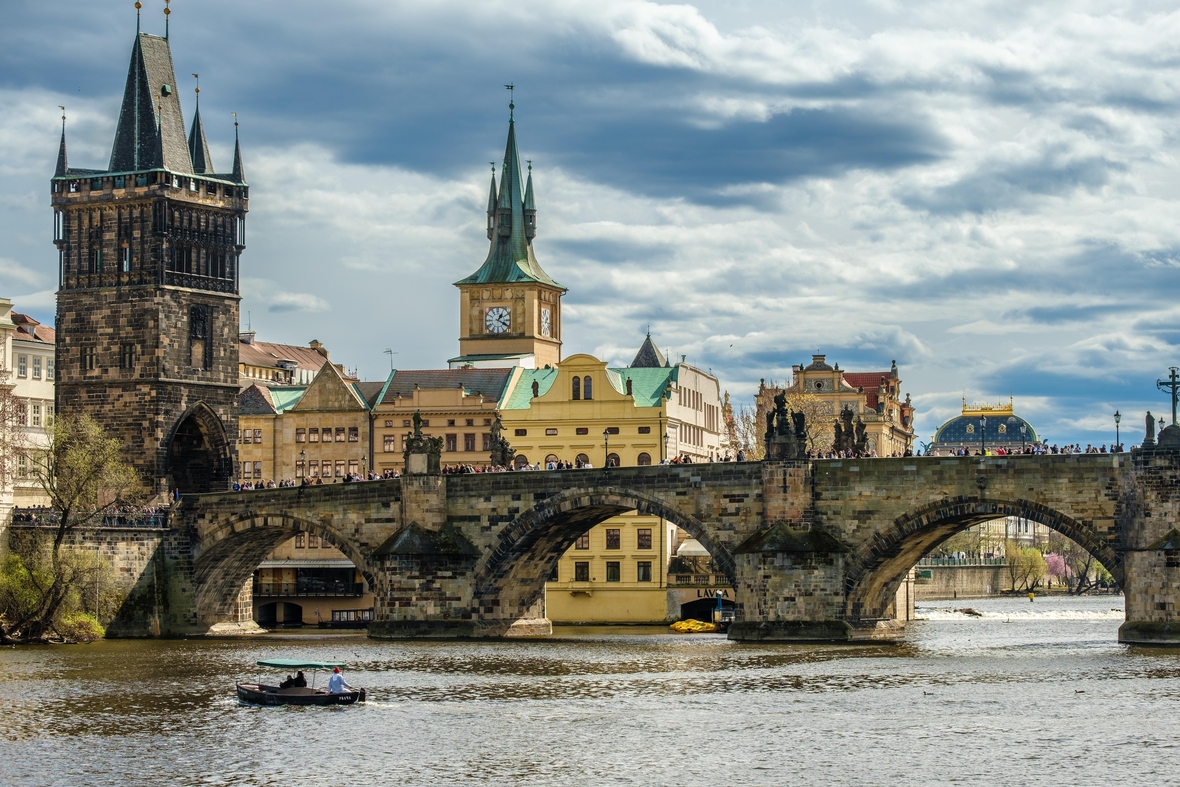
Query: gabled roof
[647, 385]
[870, 381]
[489, 383]
[150, 132]
[649, 356]
[330, 392]
[255, 400]
[29, 330]
[522, 393]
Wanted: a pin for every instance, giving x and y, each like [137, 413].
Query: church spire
[63, 164]
[198, 147]
[239, 172]
[530, 209]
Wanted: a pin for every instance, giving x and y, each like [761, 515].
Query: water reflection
[1037, 693]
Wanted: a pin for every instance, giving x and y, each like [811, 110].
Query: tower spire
[492, 203]
[198, 147]
[239, 172]
[138, 5]
[63, 164]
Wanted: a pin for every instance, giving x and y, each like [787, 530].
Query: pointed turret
[530, 209]
[150, 131]
[198, 147]
[649, 356]
[492, 205]
[239, 173]
[63, 164]
[510, 258]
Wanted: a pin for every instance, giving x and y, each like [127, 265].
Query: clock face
[546, 323]
[498, 320]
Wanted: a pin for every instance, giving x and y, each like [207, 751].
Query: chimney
[318, 347]
[247, 337]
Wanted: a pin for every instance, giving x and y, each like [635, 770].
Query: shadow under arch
[873, 573]
[227, 557]
[513, 576]
[199, 457]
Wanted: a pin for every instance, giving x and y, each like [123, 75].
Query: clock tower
[510, 310]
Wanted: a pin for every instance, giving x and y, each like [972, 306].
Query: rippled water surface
[1024, 694]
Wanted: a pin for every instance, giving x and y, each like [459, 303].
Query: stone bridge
[816, 550]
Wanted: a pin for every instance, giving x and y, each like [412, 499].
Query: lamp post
[606, 440]
[364, 468]
[666, 446]
[1117, 417]
[303, 462]
[983, 436]
[1023, 437]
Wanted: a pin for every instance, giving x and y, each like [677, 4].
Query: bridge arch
[511, 580]
[227, 555]
[199, 458]
[876, 569]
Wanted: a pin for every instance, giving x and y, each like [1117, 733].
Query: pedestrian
[337, 684]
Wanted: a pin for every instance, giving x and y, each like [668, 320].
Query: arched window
[587, 388]
[644, 460]
[577, 388]
[612, 460]
[521, 461]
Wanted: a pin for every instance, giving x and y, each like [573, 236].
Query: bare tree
[85, 477]
[748, 432]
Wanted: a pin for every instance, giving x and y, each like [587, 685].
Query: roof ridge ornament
[167, 13]
[511, 101]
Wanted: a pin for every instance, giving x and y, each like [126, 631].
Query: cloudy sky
[986, 192]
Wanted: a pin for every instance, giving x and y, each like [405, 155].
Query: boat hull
[255, 694]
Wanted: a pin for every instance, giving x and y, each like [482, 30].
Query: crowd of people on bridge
[1036, 449]
[125, 516]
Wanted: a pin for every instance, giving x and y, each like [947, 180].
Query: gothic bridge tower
[510, 310]
[147, 302]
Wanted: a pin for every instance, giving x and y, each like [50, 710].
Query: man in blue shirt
[337, 684]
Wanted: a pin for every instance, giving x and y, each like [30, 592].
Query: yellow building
[585, 415]
[458, 405]
[320, 431]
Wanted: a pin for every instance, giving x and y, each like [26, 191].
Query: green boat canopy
[299, 664]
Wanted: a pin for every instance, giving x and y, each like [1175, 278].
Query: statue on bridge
[786, 431]
[846, 436]
[861, 446]
[423, 455]
[502, 453]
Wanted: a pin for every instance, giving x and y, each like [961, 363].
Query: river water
[1028, 693]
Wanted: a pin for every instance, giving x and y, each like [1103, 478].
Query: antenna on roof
[248, 321]
[167, 13]
[389, 351]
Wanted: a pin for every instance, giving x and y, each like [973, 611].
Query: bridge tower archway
[227, 557]
[511, 581]
[199, 457]
[874, 572]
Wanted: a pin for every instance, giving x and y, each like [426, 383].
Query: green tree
[1026, 566]
[85, 477]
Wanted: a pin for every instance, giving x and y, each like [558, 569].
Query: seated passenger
[288, 683]
[299, 681]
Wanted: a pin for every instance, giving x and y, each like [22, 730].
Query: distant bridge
[814, 549]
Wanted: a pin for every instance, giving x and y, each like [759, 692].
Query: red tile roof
[268, 354]
[870, 381]
[30, 330]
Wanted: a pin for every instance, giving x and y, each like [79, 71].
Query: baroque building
[147, 304]
[874, 398]
[29, 353]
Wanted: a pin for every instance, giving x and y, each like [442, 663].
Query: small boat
[261, 694]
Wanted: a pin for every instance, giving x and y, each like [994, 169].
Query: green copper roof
[510, 259]
[522, 393]
[647, 385]
[286, 398]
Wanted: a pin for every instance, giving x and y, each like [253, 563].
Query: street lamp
[1117, 417]
[303, 462]
[1023, 437]
[606, 439]
[983, 436]
[666, 446]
